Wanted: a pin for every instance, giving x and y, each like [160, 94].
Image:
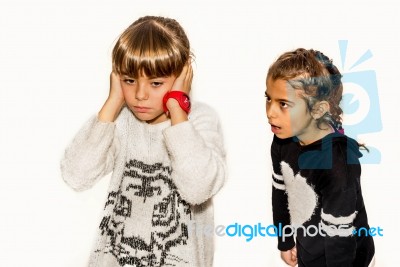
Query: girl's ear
[319, 109]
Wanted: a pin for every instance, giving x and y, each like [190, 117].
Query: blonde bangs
[149, 50]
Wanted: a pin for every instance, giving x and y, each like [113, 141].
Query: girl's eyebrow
[285, 100]
[281, 99]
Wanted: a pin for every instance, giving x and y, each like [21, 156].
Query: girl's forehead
[282, 90]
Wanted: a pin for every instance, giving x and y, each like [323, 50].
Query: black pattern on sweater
[142, 182]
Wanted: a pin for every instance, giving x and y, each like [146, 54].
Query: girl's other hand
[114, 102]
[184, 81]
[116, 89]
[290, 256]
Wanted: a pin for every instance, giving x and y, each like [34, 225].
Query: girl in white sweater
[166, 154]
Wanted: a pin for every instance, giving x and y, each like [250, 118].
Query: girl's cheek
[128, 96]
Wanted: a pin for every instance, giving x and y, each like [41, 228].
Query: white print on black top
[302, 199]
[149, 218]
[302, 202]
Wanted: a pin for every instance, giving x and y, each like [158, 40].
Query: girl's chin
[151, 118]
[283, 135]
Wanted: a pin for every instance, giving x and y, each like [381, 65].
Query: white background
[54, 66]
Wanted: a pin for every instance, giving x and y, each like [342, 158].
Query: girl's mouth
[141, 109]
[275, 129]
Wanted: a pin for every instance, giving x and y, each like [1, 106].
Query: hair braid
[336, 91]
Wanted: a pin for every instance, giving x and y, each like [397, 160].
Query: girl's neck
[315, 135]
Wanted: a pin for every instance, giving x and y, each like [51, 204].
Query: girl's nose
[141, 93]
[270, 111]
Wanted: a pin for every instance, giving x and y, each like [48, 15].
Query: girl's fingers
[189, 73]
[184, 72]
[294, 253]
[294, 257]
[184, 80]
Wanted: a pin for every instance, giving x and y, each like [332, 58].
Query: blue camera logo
[360, 103]
[361, 112]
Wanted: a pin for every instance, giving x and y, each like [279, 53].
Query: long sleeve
[280, 210]
[90, 155]
[340, 195]
[197, 155]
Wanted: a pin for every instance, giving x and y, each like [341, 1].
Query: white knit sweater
[162, 183]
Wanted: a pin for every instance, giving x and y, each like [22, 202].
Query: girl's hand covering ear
[115, 93]
[184, 81]
[114, 102]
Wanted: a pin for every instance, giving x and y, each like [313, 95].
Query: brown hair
[315, 74]
[154, 46]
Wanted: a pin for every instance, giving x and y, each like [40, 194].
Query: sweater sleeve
[339, 201]
[197, 155]
[90, 156]
[280, 209]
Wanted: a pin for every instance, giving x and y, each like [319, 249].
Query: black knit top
[316, 189]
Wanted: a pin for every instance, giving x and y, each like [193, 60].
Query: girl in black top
[316, 193]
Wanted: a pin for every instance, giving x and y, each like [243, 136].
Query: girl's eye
[284, 105]
[156, 84]
[129, 81]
